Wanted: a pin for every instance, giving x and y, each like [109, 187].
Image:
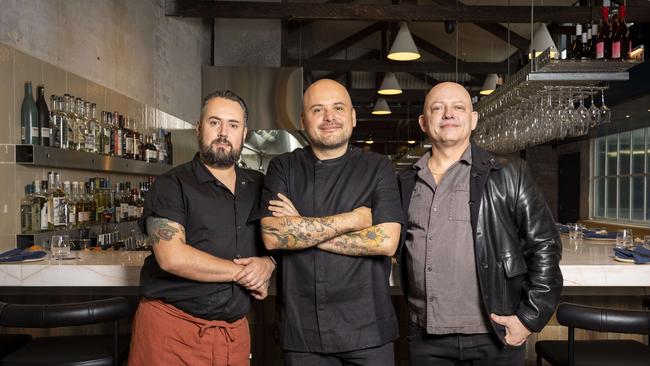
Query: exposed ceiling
[347, 40]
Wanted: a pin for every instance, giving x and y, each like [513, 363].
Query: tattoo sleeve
[300, 232]
[366, 242]
[159, 228]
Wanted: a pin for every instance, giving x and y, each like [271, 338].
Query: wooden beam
[387, 12]
[430, 48]
[502, 32]
[349, 41]
[396, 66]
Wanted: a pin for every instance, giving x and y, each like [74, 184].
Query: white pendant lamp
[489, 85]
[381, 107]
[403, 48]
[390, 85]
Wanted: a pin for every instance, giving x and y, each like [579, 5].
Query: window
[621, 176]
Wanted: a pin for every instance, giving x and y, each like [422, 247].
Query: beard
[219, 157]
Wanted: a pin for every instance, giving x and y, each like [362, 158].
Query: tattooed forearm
[298, 232]
[370, 241]
[159, 228]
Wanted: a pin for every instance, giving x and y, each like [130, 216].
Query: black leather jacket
[517, 245]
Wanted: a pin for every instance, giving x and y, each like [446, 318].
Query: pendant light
[403, 48]
[381, 107]
[390, 85]
[541, 42]
[489, 85]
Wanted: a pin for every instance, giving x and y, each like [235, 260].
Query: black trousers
[461, 349]
[376, 356]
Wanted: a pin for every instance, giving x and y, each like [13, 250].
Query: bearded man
[197, 285]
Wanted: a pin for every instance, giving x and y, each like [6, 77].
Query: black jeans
[461, 349]
[376, 356]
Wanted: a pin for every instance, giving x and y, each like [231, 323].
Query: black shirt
[216, 222]
[331, 302]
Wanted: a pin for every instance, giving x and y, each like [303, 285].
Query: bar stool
[87, 350]
[607, 352]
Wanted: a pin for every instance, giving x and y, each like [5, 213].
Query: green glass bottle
[29, 129]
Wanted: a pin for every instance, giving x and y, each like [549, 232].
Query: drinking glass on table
[646, 241]
[624, 239]
[575, 231]
[60, 246]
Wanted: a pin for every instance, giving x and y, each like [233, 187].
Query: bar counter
[586, 264]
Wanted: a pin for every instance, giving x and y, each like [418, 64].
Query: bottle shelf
[41, 238]
[46, 156]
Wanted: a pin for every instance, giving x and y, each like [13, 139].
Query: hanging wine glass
[594, 112]
[605, 112]
[583, 118]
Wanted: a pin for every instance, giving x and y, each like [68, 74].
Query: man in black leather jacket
[480, 254]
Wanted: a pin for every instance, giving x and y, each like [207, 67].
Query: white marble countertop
[590, 263]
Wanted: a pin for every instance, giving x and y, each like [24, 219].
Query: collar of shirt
[466, 158]
[332, 161]
[203, 175]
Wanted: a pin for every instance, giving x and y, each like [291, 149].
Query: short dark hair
[229, 95]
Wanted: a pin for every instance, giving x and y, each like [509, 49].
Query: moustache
[221, 141]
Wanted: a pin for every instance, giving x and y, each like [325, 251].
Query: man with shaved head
[480, 252]
[333, 213]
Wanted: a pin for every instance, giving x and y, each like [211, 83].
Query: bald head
[447, 90]
[328, 117]
[448, 117]
[325, 88]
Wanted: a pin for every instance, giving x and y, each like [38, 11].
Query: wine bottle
[576, 46]
[29, 130]
[43, 118]
[603, 44]
[620, 39]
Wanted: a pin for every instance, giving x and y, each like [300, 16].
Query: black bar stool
[87, 350]
[607, 352]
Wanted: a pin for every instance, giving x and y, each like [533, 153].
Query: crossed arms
[176, 257]
[350, 233]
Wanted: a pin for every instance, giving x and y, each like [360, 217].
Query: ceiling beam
[387, 12]
[501, 32]
[349, 41]
[434, 50]
[396, 66]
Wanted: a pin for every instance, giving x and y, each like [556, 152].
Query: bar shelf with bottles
[83, 210]
[68, 134]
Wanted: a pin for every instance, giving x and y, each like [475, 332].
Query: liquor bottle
[124, 202]
[81, 125]
[129, 139]
[91, 205]
[620, 37]
[162, 148]
[137, 142]
[57, 215]
[83, 208]
[62, 119]
[603, 44]
[131, 202]
[170, 149]
[73, 202]
[584, 54]
[92, 127]
[99, 196]
[29, 129]
[106, 134]
[55, 123]
[116, 132]
[139, 204]
[39, 206]
[150, 150]
[576, 46]
[117, 197]
[43, 117]
[26, 210]
[594, 35]
[71, 117]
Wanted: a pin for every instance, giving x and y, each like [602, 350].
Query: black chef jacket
[216, 222]
[330, 302]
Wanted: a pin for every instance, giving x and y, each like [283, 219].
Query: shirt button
[435, 209]
[238, 227]
[429, 269]
[321, 307]
[451, 218]
[431, 298]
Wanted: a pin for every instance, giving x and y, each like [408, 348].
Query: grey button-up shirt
[443, 284]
